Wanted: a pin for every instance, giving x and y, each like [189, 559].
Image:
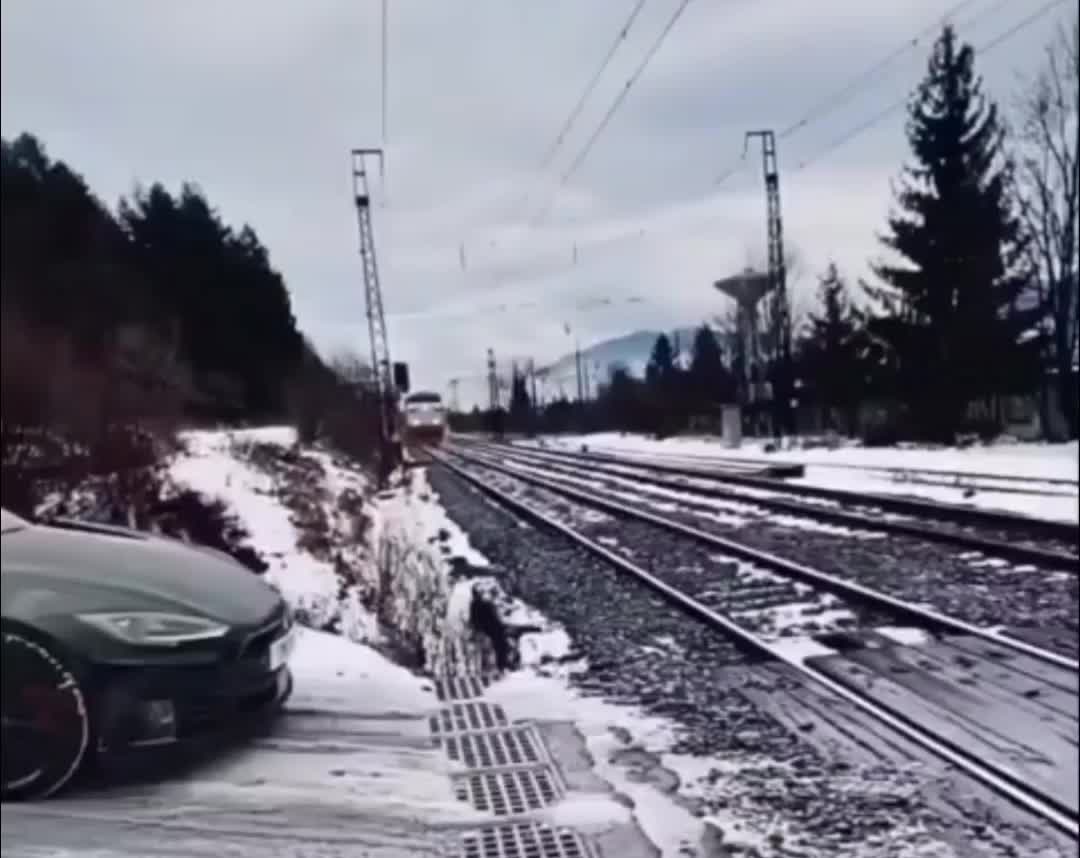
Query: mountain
[631, 351]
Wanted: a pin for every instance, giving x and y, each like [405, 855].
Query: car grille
[203, 712]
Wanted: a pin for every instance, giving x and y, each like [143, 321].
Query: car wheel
[45, 725]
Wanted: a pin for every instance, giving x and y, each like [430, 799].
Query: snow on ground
[339, 676]
[385, 770]
[630, 750]
[415, 543]
[720, 510]
[428, 567]
[419, 515]
[671, 826]
[850, 467]
[215, 465]
[424, 571]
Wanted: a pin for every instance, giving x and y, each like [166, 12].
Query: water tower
[747, 289]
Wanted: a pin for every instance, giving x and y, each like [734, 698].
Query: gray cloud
[260, 102]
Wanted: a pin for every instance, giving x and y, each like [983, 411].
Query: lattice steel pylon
[780, 315]
[493, 381]
[382, 369]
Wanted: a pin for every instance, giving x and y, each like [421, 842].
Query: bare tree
[350, 368]
[1049, 193]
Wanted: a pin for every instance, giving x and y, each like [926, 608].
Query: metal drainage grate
[508, 793]
[469, 716]
[459, 688]
[534, 840]
[499, 749]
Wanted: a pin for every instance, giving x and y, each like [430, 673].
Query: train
[423, 419]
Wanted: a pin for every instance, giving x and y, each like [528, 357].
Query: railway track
[1011, 537]
[736, 612]
[979, 480]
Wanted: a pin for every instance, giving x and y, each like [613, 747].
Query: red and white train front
[423, 419]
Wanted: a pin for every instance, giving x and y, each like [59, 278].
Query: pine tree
[520, 403]
[710, 380]
[660, 371]
[959, 241]
[829, 346]
[662, 381]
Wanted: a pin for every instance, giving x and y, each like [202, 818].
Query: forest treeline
[120, 325]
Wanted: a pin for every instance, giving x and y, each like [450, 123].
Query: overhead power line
[614, 108]
[871, 121]
[840, 96]
[385, 66]
[590, 87]
[827, 104]
[878, 117]
[585, 305]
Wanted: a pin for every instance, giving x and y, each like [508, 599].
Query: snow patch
[211, 465]
[851, 467]
[905, 635]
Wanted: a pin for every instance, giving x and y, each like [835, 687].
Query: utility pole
[493, 395]
[580, 375]
[780, 317]
[534, 405]
[381, 367]
[493, 382]
[454, 401]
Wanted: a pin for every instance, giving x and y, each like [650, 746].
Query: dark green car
[114, 640]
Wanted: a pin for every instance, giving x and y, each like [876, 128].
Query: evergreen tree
[958, 239]
[830, 345]
[622, 402]
[710, 381]
[660, 371]
[164, 281]
[664, 384]
[520, 403]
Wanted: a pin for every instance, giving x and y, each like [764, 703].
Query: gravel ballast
[977, 590]
[841, 796]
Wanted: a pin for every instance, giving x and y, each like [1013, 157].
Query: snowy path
[348, 770]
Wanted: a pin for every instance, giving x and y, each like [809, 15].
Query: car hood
[115, 569]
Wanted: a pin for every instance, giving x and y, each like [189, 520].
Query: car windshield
[9, 522]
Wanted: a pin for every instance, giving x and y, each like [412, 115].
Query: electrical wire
[892, 108]
[613, 109]
[385, 66]
[852, 133]
[839, 97]
[585, 305]
[826, 105]
[586, 94]
[981, 50]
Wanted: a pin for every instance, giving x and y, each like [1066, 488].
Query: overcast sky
[259, 101]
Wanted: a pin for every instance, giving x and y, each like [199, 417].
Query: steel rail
[831, 583]
[998, 778]
[1016, 552]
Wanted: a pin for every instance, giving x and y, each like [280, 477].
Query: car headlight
[153, 628]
